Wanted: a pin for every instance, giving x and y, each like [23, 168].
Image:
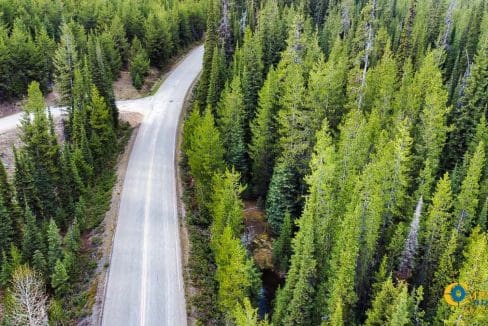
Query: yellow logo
[456, 294]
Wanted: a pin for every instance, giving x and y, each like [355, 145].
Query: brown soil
[124, 90]
[257, 235]
[10, 138]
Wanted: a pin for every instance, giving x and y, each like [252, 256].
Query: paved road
[145, 282]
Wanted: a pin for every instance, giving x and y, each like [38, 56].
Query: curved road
[145, 280]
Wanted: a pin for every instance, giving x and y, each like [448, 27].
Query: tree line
[39, 38]
[62, 181]
[361, 126]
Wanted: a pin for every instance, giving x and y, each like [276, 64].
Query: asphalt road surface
[145, 281]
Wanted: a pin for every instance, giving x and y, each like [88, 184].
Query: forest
[359, 127]
[56, 195]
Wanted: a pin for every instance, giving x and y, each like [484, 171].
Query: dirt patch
[257, 235]
[124, 90]
[11, 138]
[99, 281]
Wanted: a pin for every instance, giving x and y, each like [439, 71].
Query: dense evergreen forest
[361, 127]
[61, 186]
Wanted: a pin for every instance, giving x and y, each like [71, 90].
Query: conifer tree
[245, 315]
[252, 76]
[473, 273]
[59, 279]
[436, 231]
[102, 137]
[294, 301]
[326, 87]
[205, 155]
[233, 273]
[217, 77]
[138, 63]
[282, 246]
[32, 239]
[6, 228]
[66, 62]
[54, 243]
[231, 122]
[263, 149]
[467, 202]
[226, 206]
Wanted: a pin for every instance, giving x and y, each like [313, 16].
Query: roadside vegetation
[361, 127]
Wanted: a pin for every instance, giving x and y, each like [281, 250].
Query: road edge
[105, 260]
[184, 239]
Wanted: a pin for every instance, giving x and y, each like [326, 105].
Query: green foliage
[138, 64]
[233, 272]
[205, 155]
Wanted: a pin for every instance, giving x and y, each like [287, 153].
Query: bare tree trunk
[29, 300]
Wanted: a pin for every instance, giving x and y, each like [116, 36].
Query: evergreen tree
[54, 243]
[102, 137]
[282, 246]
[263, 149]
[231, 125]
[138, 63]
[6, 228]
[226, 207]
[326, 88]
[66, 61]
[59, 279]
[205, 155]
[217, 77]
[233, 273]
[435, 234]
[282, 195]
[294, 302]
[467, 202]
[32, 240]
[252, 76]
[473, 273]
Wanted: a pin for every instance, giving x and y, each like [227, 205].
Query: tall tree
[66, 62]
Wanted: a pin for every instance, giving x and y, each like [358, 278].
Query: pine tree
[282, 195]
[282, 246]
[435, 234]
[473, 273]
[66, 62]
[468, 201]
[294, 302]
[263, 149]
[432, 128]
[326, 87]
[59, 279]
[158, 38]
[6, 228]
[271, 32]
[217, 77]
[252, 76]
[32, 240]
[233, 273]
[138, 63]
[42, 151]
[245, 315]
[473, 104]
[39, 263]
[231, 121]
[226, 206]
[54, 243]
[102, 137]
[205, 155]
